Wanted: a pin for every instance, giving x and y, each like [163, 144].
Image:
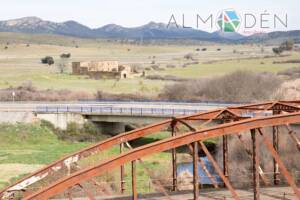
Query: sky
[131, 13]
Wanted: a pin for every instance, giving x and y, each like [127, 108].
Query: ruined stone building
[103, 69]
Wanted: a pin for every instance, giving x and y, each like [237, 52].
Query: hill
[150, 31]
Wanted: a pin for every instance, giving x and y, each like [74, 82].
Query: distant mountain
[37, 25]
[151, 30]
[274, 37]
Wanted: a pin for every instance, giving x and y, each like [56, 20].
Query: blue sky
[130, 13]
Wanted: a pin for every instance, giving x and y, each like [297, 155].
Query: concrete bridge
[111, 117]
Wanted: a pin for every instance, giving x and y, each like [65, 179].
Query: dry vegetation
[238, 86]
[240, 165]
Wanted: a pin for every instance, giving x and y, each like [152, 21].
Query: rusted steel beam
[211, 178]
[249, 153]
[219, 171]
[122, 172]
[92, 180]
[255, 150]
[225, 156]
[186, 124]
[133, 178]
[87, 193]
[23, 183]
[163, 145]
[195, 172]
[293, 135]
[281, 165]
[174, 159]
[151, 174]
[276, 147]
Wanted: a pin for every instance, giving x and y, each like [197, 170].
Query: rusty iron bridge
[63, 178]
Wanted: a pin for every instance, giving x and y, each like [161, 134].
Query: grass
[27, 147]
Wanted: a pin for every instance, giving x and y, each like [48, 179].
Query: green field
[27, 147]
[20, 63]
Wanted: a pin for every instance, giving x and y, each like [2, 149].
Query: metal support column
[122, 171]
[276, 147]
[133, 174]
[195, 171]
[255, 150]
[225, 156]
[174, 162]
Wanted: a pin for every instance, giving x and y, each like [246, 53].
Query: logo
[228, 20]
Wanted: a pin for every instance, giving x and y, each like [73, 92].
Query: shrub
[287, 45]
[65, 55]
[239, 86]
[170, 66]
[188, 56]
[165, 78]
[47, 60]
[277, 51]
[291, 72]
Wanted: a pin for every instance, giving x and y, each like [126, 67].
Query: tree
[287, 45]
[48, 60]
[278, 50]
[65, 55]
[63, 62]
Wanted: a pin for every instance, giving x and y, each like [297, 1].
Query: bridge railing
[116, 110]
[136, 111]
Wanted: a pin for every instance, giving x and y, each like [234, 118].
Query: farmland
[21, 62]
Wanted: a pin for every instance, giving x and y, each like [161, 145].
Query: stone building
[103, 69]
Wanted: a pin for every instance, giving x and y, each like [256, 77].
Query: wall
[61, 120]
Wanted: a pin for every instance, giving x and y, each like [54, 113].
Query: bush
[277, 51]
[287, 45]
[170, 66]
[88, 132]
[189, 56]
[65, 55]
[239, 86]
[48, 60]
[291, 72]
[165, 78]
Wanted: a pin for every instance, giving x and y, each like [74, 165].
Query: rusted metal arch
[128, 136]
[163, 145]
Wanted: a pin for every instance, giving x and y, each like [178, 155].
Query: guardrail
[110, 110]
[116, 110]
